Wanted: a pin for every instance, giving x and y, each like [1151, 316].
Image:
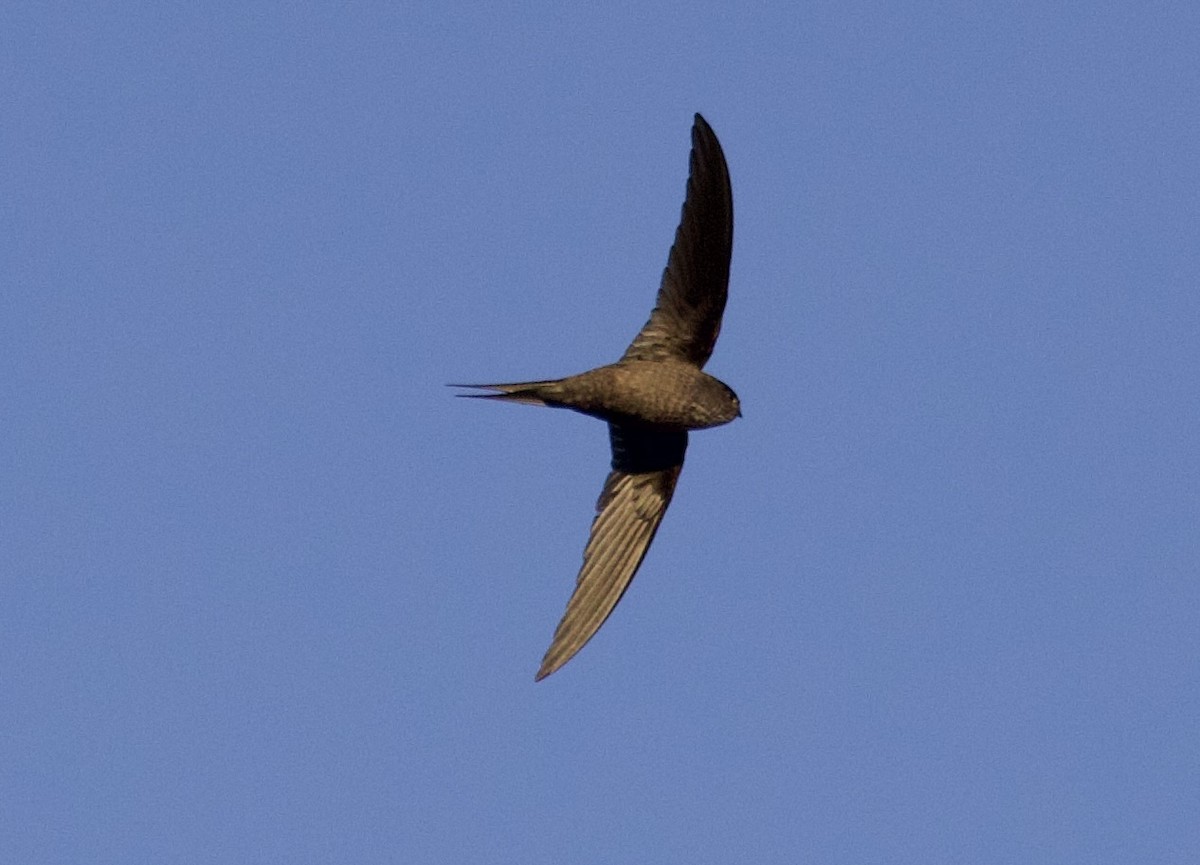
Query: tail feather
[527, 392]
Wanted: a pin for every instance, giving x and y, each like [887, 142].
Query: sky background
[269, 594]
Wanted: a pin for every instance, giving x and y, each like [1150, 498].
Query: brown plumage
[650, 398]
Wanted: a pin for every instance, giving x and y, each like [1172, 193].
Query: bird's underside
[650, 398]
[666, 394]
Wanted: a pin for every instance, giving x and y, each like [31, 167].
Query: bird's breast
[666, 394]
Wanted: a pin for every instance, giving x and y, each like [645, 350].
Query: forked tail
[527, 392]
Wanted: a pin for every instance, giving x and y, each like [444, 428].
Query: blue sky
[269, 594]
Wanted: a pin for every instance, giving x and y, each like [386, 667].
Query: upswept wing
[691, 299]
[646, 465]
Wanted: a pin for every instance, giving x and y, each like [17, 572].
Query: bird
[650, 398]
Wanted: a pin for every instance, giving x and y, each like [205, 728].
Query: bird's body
[650, 398]
[667, 394]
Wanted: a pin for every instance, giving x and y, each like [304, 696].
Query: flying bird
[650, 398]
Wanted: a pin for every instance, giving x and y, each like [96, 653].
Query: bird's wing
[646, 465]
[691, 299]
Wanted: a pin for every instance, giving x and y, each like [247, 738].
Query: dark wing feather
[646, 465]
[691, 299]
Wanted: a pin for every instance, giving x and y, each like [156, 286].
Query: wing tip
[552, 663]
